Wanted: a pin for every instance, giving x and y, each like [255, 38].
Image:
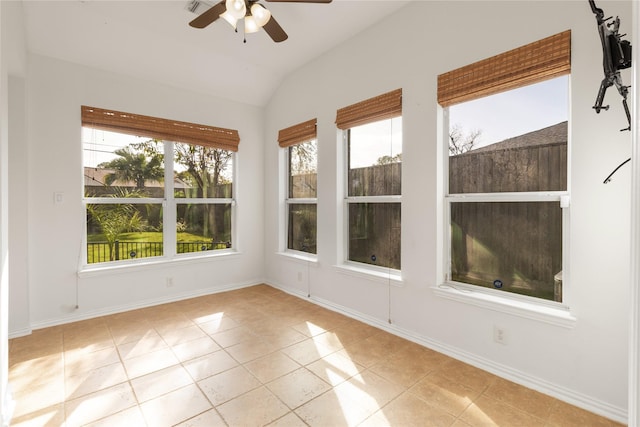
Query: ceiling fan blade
[300, 1]
[275, 31]
[209, 16]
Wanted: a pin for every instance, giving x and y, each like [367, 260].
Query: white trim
[143, 304]
[371, 272]
[300, 257]
[118, 267]
[544, 386]
[634, 291]
[534, 310]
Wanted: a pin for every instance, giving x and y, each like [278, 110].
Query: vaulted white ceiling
[152, 40]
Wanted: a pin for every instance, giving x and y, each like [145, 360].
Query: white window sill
[391, 277]
[559, 316]
[101, 269]
[302, 257]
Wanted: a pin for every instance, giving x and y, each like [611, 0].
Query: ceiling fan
[254, 15]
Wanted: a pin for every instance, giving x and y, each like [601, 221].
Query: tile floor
[254, 357]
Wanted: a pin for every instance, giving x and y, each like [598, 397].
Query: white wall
[56, 90]
[12, 147]
[586, 364]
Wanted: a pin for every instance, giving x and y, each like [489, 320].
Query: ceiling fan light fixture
[230, 19]
[261, 14]
[236, 8]
[250, 25]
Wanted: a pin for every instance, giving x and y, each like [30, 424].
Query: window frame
[288, 201]
[349, 200]
[550, 311]
[169, 203]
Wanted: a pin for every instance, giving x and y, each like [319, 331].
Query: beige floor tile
[271, 366]
[289, 420]
[306, 351]
[178, 336]
[37, 398]
[52, 416]
[128, 417]
[160, 382]
[256, 353]
[488, 412]
[228, 385]
[175, 407]
[250, 350]
[98, 405]
[94, 380]
[333, 409]
[446, 394]
[196, 348]
[471, 376]
[150, 342]
[335, 368]
[233, 336]
[211, 418]
[84, 360]
[369, 391]
[404, 371]
[523, 398]
[256, 408]
[366, 352]
[565, 415]
[215, 324]
[209, 365]
[408, 410]
[298, 387]
[40, 370]
[150, 362]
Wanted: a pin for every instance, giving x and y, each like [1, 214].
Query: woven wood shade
[153, 127]
[532, 63]
[297, 134]
[385, 106]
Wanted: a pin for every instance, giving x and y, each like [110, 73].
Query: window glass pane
[375, 158]
[203, 227]
[302, 227]
[118, 232]
[303, 170]
[512, 246]
[374, 234]
[511, 142]
[116, 164]
[202, 172]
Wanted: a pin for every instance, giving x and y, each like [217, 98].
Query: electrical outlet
[169, 282]
[499, 335]
[299, 276]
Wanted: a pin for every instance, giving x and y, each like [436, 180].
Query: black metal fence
[101, 252]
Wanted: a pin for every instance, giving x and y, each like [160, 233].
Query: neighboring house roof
[96, 177]
[556, 134]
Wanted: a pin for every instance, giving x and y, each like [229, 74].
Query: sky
[514, 112]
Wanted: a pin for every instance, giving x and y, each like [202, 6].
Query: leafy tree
[461, 143]
[134, 165]
[387, 160]
[116, 219]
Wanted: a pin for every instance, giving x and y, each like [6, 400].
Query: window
[506, 180]
[301, 144]
[150, 197]
[373, 144]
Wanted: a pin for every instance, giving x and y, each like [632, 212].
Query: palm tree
[134, 166]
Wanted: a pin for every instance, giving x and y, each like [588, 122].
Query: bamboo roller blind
[153, 127]
[297, 134]
[532, 63]
[385, 106]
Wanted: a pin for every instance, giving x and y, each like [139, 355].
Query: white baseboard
[138, 305]
[543, 386]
